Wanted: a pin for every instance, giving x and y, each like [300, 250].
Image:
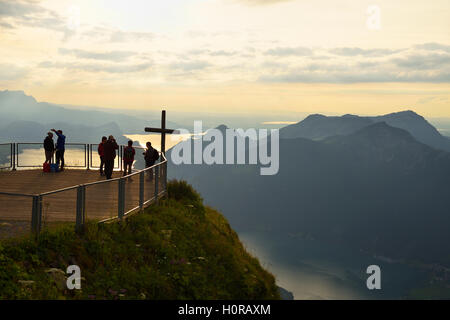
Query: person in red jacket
[128, 158]
[101, 153]
[109, 149]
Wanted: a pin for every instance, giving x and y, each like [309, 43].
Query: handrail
[17, 148]
[89, 183]
[89, 158]
[81, 188]
[59, 190]
[11, 157]
[132, 174]
[17, 194]
[41, 143]
[16, 153]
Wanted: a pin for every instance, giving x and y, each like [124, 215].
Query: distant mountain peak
[222, 127]
[10, 97]
[409, 112]
[406, 113]
[348, 115]
[19, 92]
[318, 127]
[381, 134]
[315, 116]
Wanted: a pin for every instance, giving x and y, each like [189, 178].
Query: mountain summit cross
[162, 130]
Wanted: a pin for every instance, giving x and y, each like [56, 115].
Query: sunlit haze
[232, 56]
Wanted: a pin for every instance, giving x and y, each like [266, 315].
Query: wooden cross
[162, 130]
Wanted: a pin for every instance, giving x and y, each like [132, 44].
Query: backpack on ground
[46, 167]
[54, 167]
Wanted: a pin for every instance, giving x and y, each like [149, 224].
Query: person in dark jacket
[60, 148]
[109, 149]
[49, 147]
[150, 156]
[128, 158]
[101, 153]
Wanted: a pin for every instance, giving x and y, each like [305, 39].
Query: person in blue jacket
[60, 148]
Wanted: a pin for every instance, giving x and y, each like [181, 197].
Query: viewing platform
[31, 200]
[36, 181]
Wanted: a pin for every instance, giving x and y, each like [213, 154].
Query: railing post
[17, 155]
[156, 183]
[90, 154]
[165, 177]
[121, 158]
[141, 190]
[13, 155]
[39, 213]
[81, 207]
[87, 151]
[36, 214]
[121, 198]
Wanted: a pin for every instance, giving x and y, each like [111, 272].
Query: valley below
[315, 269]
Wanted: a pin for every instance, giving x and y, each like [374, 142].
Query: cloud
[91, 67]
[115, 56]
[424, 61]
[190, 65]
[6, 25]
[29, 13]
[10, 72]
[355, 77]
[113, 35]
[196, 34]
[19, 8]
[358, 65]
[433, 46]
[433, 99]
[367, 64]
[299, 64]
[351, 52]
[274, 65]
[289, 51]
[261, 2]
[127, 36]
[213, 53]
[426, 100]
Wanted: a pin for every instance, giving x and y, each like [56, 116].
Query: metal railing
[103, 201]
[7, 151]
[79, 155]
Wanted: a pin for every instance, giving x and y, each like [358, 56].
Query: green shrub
[184, 193]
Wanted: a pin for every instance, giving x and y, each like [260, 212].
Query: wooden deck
[36, 181]
[101, 199]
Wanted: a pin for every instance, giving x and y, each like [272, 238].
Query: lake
[312, 269]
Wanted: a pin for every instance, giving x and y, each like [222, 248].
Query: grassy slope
[177, 250]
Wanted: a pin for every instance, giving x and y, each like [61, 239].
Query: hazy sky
[346, 56]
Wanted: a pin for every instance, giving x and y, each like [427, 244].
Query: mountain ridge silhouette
[377, 188]
[317, 127]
